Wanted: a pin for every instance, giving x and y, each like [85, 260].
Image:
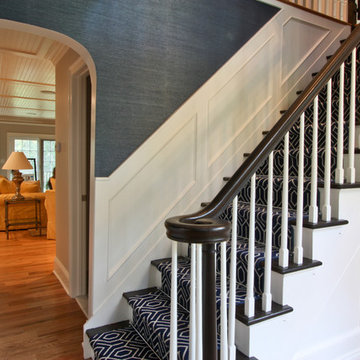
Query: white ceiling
[27, 75]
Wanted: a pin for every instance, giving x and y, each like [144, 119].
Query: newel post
[208, 232]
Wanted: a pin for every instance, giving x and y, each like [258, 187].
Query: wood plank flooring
[38, 320]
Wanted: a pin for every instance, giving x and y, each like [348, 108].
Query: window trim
[11, 136]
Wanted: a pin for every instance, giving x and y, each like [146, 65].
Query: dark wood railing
[205, 227]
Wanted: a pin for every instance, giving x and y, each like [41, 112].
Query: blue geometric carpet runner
[121, 344]
[148, 335]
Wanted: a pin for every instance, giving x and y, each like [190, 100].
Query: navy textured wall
[150, 56]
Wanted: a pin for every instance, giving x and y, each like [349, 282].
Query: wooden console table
[34, 220]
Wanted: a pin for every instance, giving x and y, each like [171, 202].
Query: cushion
[53, 183]
[6, 186]
[30, 187]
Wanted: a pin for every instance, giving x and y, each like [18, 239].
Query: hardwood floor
[38, 321]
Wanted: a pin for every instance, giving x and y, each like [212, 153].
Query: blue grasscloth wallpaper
[150, 56]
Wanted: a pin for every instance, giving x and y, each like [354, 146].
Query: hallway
[38, 321]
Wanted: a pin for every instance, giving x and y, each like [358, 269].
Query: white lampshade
[17, 161]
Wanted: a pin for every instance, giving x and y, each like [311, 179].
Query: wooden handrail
[204, 225]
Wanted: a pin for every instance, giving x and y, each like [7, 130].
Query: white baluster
[339, 172]
[223, 304]
[298, 250]
[199, 327]
[326, 209]
[327, 8]
[267, 298]
[320, 6]
[232, 296]
[173, 316]
[192, 350]
[336, 10]
[249, 299]
[350, 171]
[284, 251]
[313, 209]
[315, 5]
[344, 10]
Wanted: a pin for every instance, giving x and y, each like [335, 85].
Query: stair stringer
[325, 321]
[183, 163]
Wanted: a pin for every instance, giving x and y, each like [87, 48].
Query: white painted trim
[62, 274]
[88, 352]
[85, 55]
[54, 35]
[77, 246]
[26, 121]
[59, 55]
[132, 244]
[83, 304]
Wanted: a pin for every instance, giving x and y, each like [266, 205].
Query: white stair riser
[326, 296]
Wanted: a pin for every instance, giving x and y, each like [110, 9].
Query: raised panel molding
[183, 162]
[142, 203]
[242, 98]
[299, 39]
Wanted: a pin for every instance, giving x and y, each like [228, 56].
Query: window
[30, 149]
[48, 156]
[42, 150]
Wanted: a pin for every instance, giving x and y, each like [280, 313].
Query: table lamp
[17, 161]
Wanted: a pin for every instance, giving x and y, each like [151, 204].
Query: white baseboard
[88, 352]
[83, 304]
[62, 274]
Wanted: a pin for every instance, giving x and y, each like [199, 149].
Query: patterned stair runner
[148, 335]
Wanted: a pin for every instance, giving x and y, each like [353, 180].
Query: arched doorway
[75, 124]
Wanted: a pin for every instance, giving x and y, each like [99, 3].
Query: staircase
[267, 223]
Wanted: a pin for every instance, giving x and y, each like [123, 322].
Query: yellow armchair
[50, 205]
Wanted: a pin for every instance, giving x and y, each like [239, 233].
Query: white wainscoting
[182, 164]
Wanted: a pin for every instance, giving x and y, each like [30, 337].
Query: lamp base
[17, 179]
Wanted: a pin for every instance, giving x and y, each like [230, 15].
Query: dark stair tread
[275, 177]
[260, 315]
[357, 151]
[324, 224]
[101, 329]
[130, 294]
[241, 356]
[307, 264]
[277, 211]
[355, 185]
[151, 318]
[184, 276]
[123, 343]
[158, 262]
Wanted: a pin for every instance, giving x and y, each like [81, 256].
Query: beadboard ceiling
[27, 76]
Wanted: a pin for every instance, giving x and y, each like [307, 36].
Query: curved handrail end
[199, 231]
